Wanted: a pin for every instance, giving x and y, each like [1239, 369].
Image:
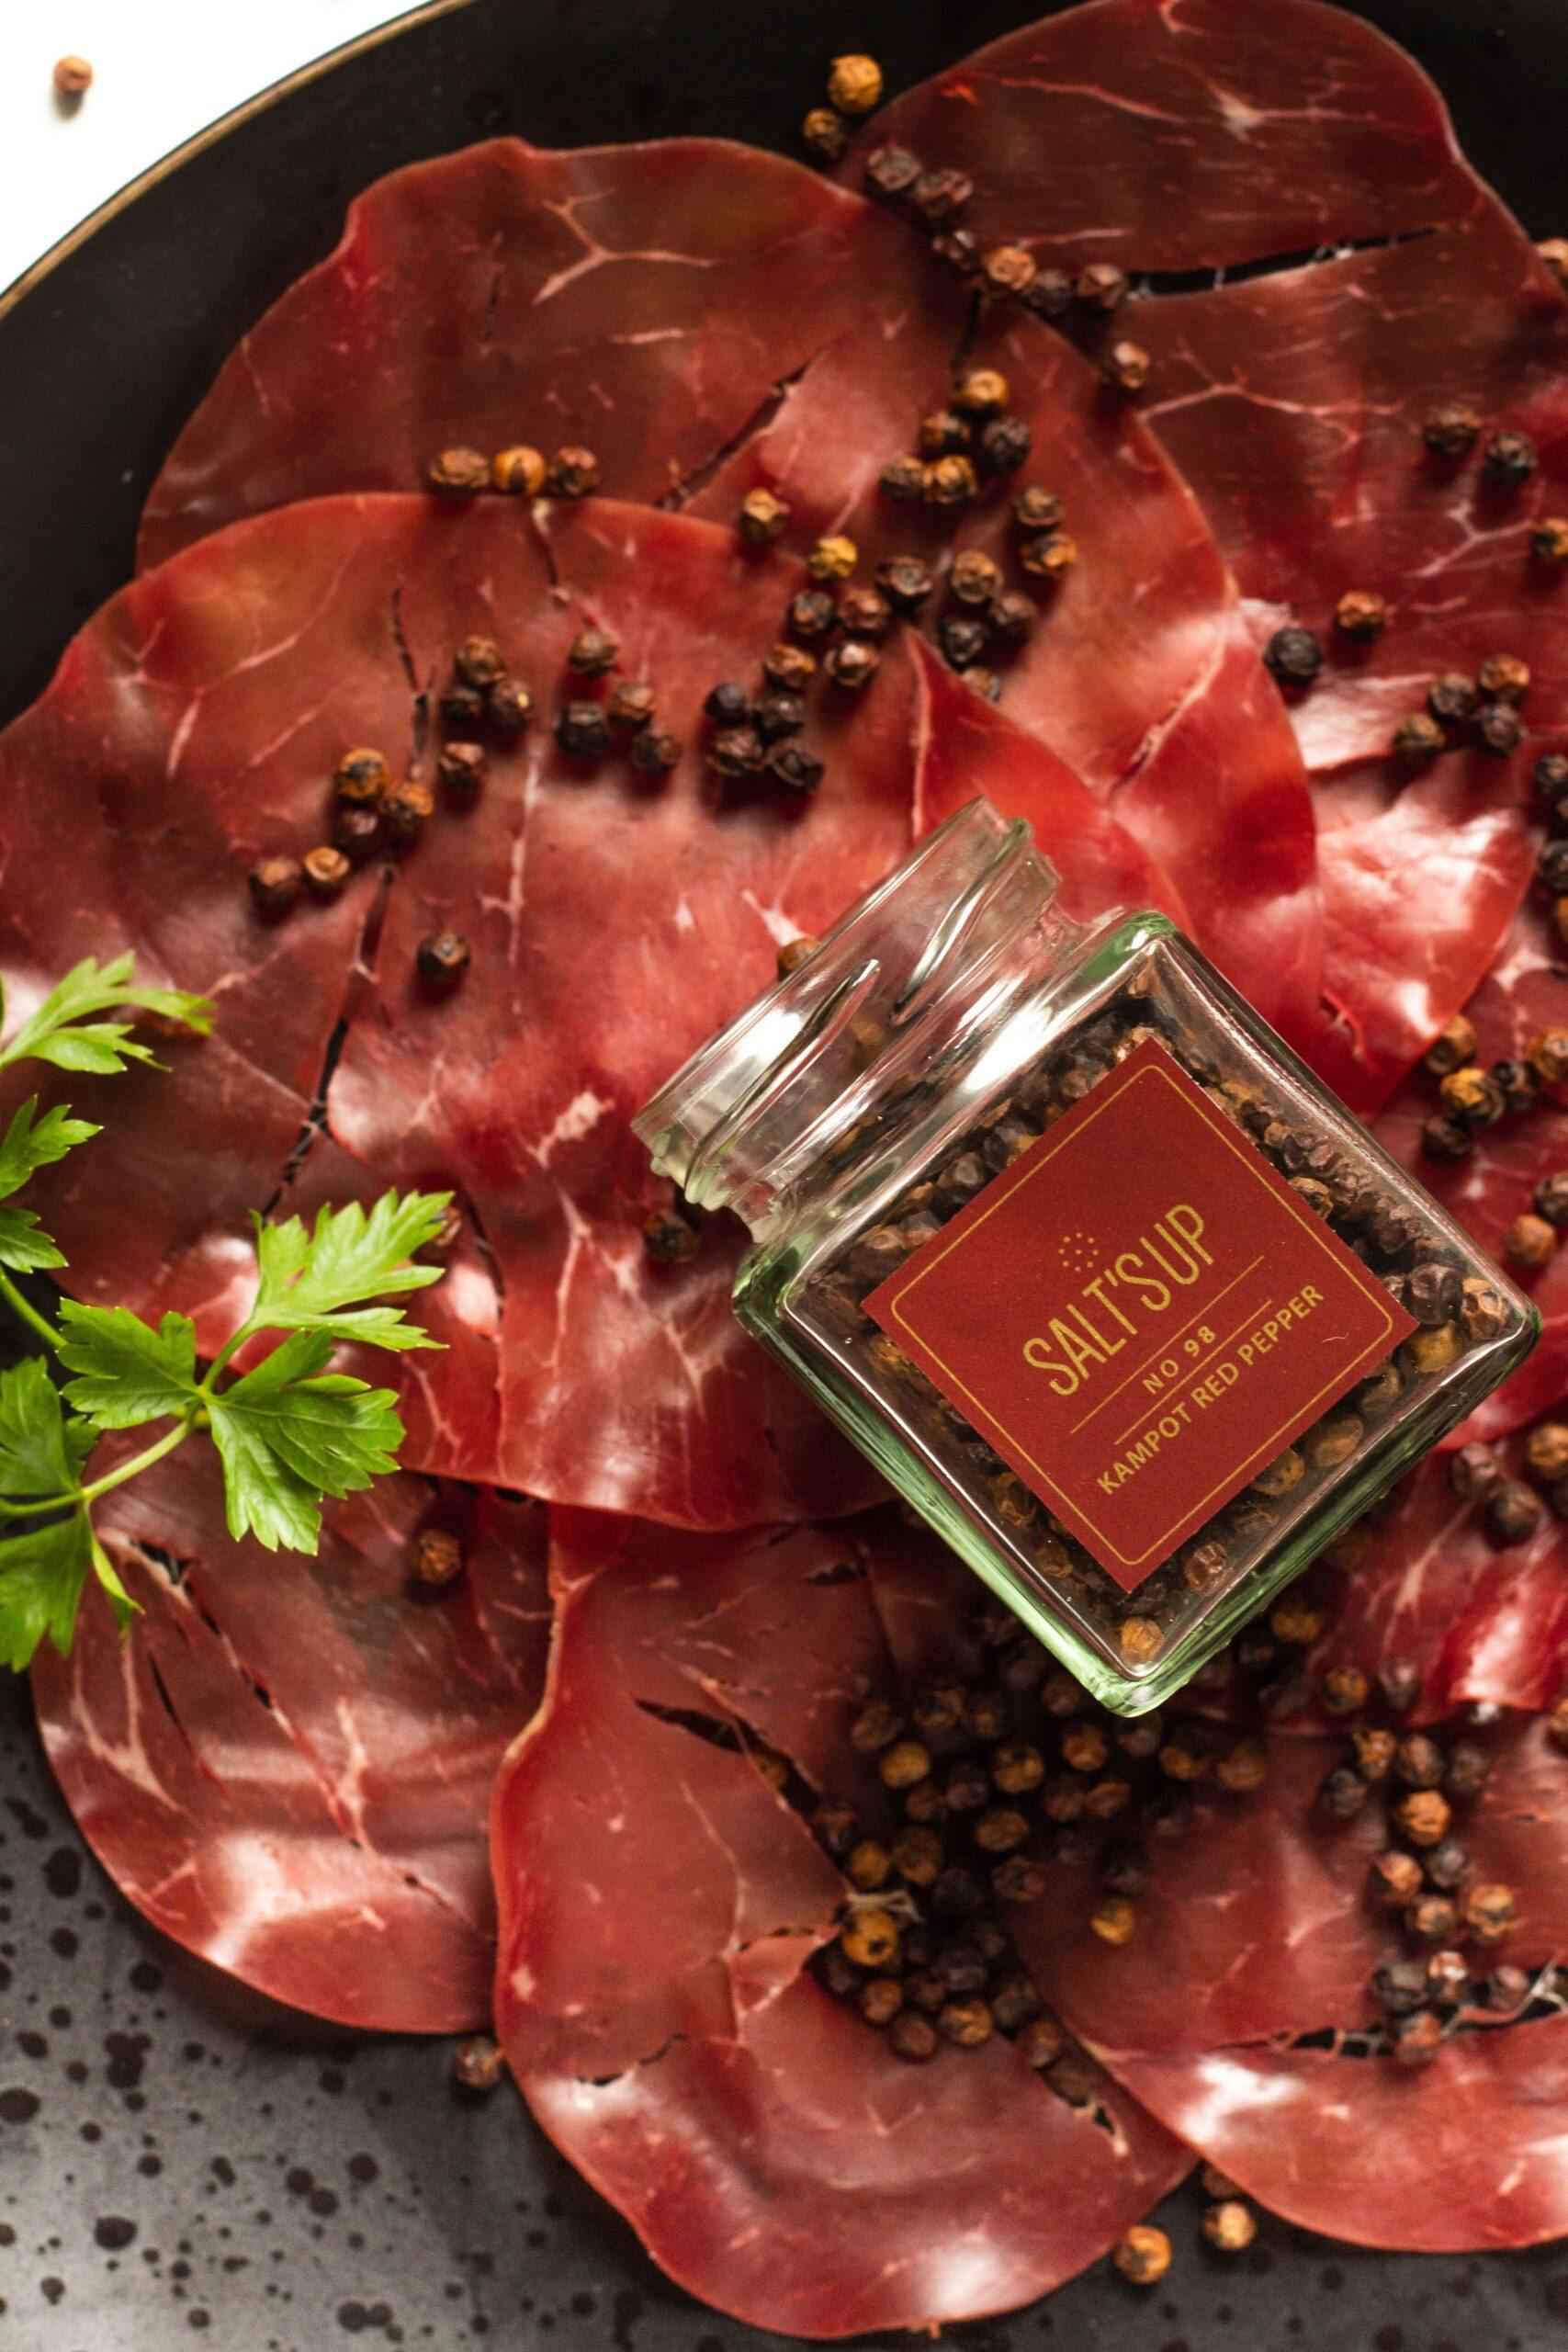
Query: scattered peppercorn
[980, 391]
[957, 249]
[951, 481]
[593, 653]
[1293, 655]
[1050, 295]
[1415, 2040]
[1127, 367]
[583, 730]
[1508, 459]
[734, 754]
[1007, 271]
[1452, 699]
[1011, 618]
[854, 85]
[406, 810]
[1417, 739]
[275, 883]
[326, 870]
[826, 134]
[1490, 1913]
[509, 706]
[1035, 508]
[1051, 557]
[1513, 1513]
[479, 2063]
[458, 473]
[1549, 541]
[762, 518]
[852, 664]
[1143, 2255]
[460, 769]
[361, 775]
[1472, 1095]
[1503, 677]
[864, 611]
[792, 766]
[480, 661]
[572, 473]
[1361, 614]
[833, 558]
[1452, 430]
[1003, 445]
[1547, 1054]
[630, 706]
[1550, 1198]
[654, 751]
[1530, 1241]
[1474, 1473]
[461, 706]
[520, 471]
[73, 78]
[436, 1557]
[1230, 2226]
[871, 1938]
[442, 958]
[1101, 286]
[903, 479]
[890, 174]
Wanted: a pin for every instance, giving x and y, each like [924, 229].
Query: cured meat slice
[613, 926]
[1295, 406]
[1197, 136]
[659, 1903]
[1141, 674]
[1470, 2154]
[639, 300]
[1259, 1914]
[287, 1767]
[1526, 992]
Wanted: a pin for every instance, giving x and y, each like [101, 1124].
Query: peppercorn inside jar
[1067, 1240]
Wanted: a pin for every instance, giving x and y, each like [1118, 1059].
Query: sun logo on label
[1079, 1251]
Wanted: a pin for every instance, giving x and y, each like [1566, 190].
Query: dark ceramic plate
[176, 2162]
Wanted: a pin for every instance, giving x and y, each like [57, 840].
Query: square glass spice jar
[1073, 1245]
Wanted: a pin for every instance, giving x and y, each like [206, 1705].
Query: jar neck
[913, 982]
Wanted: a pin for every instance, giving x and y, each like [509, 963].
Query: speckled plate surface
[178, 2163]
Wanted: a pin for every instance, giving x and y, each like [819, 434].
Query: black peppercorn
[583, 730]
[728, 705]
[1035, 508]
[1549, 541]
[592, 654]
[962, 640]
[1007, 272]
[735, 753]
[826, 132]
[1101, 286]
[958, 250]
[778, 714]
[1551, 866]
[1011, 618]
[406, 810]
[1503, 677]
[943, 434]
[1361, 614]
[864, 611]
[1294, 656]
[1400, 1683]
[462, 706]
[1003, 445]
[572, 473]
[1474, 1473]
[1452, 430]
[654, 752]
[1127, 367]
[480, 661]
[1517, 1083]
[509, 706]
[852, 664]
[1550, 1198]
[519, 470]
[1447, 1977]
[903, 480]
[1417, 739]
[671, 1240]
[951, 481]
[813, 614]
[326, 870]
[905, 581]
[1551, 777]
[1514, 1512]
[1050, 556]
[1446, 1140]
[460, 768]
[356, 831]
[1049, 295]
[1498, 729]
[937, 197]
[1452, 699]
[1508, 459]
[890, 174]
[458, 473]
[630, 706]
[792, 766]
[974, 577]
[275, 883]
[1399, 1987]
[442, 958]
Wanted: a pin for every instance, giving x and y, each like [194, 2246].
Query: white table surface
[162, 70]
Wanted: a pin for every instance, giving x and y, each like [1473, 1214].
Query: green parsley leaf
[41, 1576]
[288, 1433]
[41, 1452]
[30, 1143]
[314, 1280]
[25, 1247]
[64, 1032]
[127, 1372]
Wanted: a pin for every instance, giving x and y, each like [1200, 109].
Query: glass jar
[1073, 1245]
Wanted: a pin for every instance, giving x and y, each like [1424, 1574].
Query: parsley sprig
[290, 1432]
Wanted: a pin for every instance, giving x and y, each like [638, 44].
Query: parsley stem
[22, 1306]
[137, 1462]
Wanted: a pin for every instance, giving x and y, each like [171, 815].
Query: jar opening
[926, 944]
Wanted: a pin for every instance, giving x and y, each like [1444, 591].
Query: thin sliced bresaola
[1524, 992]
[661, 1901]
[1470, 2152]
[614, 926]
[1467, 2155]
[287, 1763]
[639, 300]
[1141, 672]
[1192, 136]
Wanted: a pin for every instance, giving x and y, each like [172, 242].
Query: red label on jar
[1139, 1314]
